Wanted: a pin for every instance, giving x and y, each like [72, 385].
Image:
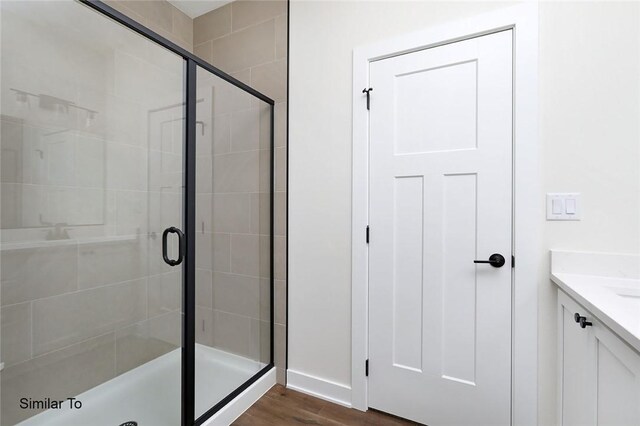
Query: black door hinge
[513, 261]
[367, 91]
[366, 368]
[367, 234]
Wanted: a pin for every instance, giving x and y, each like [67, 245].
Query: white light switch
[563, 206]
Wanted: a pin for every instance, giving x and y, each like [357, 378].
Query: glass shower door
[91, 175]
[233, 239]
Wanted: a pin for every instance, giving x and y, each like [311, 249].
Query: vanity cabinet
[599, 374]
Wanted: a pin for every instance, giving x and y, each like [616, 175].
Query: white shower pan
[150, 394]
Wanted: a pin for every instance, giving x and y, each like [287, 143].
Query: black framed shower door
[191, 66]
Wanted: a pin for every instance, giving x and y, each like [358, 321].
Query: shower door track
[189, 301]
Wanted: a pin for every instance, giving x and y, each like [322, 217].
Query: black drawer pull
[582, 320]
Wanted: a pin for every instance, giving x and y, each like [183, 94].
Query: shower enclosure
[136, 224]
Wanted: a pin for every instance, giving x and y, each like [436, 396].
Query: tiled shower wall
[139, 300]
[81, 310]
[160, 16]
[248, 39]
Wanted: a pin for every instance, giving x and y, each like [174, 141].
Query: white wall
[589, 137]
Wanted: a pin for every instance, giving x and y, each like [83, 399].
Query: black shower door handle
[165, 234]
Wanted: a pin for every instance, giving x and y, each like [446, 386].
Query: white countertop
[613, 301]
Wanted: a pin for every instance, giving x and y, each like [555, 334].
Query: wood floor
[281, 407]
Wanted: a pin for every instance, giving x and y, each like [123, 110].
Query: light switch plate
[563, 206]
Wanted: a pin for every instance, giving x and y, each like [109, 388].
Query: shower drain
[130, 423]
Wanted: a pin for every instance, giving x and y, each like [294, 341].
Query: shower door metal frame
[191, 62]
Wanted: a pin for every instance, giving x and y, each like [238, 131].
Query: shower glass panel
[92, 139]
[233, 238]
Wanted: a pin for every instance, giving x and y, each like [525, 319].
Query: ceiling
[195, 8]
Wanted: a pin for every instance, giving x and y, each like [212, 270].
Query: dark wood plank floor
[281, 407]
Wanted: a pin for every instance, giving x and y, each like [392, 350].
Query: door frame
[527, 200]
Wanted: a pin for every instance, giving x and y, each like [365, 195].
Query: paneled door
[441, 231]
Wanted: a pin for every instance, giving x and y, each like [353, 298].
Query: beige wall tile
[280, 264]
[236, 172]
[29, 274]
[265, 213]
[172, 37]
[280, 218]
[214, 24]
[204, 291]
[127, 167]
[265, 342]
[237, 213]
[271, 79]
[236, 294]
[246, 12]
[152, 253]
[164, 293]
[280, 124]
[279, 342]
[164, 210]
[250, 255]
[236, 334]
[245, 48]
[221, 252]
[63, 320]
[109, 263]
[57, 375]
[204, 50]
[204, 326]
[121, 7]
[281, 169]
[281, 376]
[15, 333]
[226, 97]
[280, 302]
[157, 13]
[243, 75]
[204, 249]
[204, 174]
[245, 130]
[132, 213]
[161, 17]
[204, 212]
[221, 133]
[265, 170]
[167, 328]
[265, 124]
[144, 341]
[281, 36]
[182, 25]
[265, 299]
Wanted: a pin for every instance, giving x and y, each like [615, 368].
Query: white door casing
[528, 205]
[440, 197]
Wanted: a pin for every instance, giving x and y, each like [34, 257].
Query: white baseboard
[320, 388]
[230, 412]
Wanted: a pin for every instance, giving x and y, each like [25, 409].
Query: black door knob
[496, 260]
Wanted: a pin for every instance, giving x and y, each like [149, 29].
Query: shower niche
[136, 230]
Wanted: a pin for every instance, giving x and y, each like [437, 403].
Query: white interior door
[440, 198]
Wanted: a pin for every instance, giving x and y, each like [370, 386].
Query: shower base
[150, 394]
